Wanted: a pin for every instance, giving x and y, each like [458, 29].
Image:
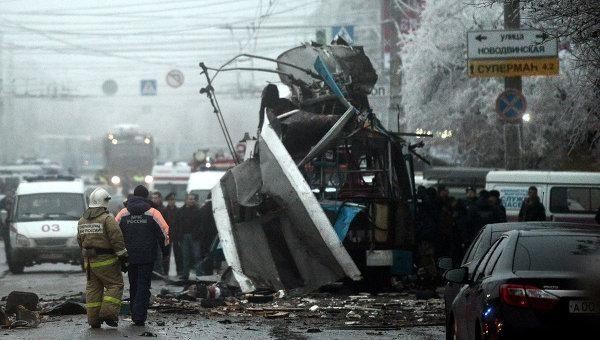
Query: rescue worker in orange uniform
[105, 256]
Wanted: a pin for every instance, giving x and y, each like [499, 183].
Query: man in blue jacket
[143, 228]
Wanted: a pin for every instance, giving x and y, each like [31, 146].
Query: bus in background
[567, 196]
[171, 177]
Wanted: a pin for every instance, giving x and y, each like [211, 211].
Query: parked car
[482, 243]
[529, 284]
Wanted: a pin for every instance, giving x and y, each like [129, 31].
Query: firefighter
[104, 254]
[143, 229]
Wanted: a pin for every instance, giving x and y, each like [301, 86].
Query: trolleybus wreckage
[325, 192]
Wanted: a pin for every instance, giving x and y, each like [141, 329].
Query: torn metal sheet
[285, 243]
[224, 227]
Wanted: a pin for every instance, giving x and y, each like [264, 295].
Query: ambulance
[43, 222]
[171, 177]
[567, 196]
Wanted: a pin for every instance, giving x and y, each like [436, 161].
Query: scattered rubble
[318, 311]
[68, 307]
[379, 312]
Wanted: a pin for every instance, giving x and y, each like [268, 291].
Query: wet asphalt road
[52, 281]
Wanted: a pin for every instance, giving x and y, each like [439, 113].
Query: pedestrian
[446, 222]
[466, 221]
[532, 208]
[598, 216]
[497, 202]
[208, 235]
[170, 213]
[188, 223]
[161, 265]
[6, 204]
[426, 232]
[104, 255]
[143, 228]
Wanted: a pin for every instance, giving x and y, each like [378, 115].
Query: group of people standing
[192, 232]
[132, 242]
[445, 226]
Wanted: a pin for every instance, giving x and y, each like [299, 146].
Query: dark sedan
[482, 243]
[529, 284]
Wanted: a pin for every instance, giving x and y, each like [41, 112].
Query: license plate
[51, 256]
[584, 307]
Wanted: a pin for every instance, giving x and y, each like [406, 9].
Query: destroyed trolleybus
[327, 191]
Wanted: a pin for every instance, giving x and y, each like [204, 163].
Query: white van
[202, 182]
[43, 222]
[171, 177]
[567, 196]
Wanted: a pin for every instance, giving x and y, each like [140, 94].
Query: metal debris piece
[149, 334]
[277, 315]
[31, 318]
[68, 307]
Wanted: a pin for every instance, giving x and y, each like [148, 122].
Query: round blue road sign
[511, 105]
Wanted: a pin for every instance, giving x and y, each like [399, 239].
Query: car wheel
[15, 266]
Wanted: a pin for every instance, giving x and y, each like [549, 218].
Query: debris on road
[149, 334]
[25, 299]
[68, 307]
[30, 317]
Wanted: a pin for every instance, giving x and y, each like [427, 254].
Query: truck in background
[129, 156]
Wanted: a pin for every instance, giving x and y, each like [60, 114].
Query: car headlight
[148, 179]
[72, 242]
[22, 241]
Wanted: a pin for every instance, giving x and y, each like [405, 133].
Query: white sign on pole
[510, 44]
[175, 78]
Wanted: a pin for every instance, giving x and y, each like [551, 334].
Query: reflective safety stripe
[93, 304]
[121, 252]
[103, 263]
[112, 300]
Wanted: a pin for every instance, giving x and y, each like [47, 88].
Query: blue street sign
[511, 105]
[344, 32]
[148, 87]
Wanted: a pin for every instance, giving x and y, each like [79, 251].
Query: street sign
[148, 87]
[174, 78]
[510, 44]
[513, 67]
[110, 87]
[510, 105]
[344, 32]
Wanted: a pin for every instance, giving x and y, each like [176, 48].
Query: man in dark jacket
[170, 214]
[188, 223]
[497, 202]
[163, 258]
[208, 235]
[143, 228]
[532, 208]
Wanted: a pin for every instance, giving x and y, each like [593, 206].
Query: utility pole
[395, 109]
[512, 131]
[3, 140]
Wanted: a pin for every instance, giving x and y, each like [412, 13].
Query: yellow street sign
[513, 67]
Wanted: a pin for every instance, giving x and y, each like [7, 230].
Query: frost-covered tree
[439, 96]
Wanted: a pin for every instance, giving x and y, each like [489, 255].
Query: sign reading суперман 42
[510, 44]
